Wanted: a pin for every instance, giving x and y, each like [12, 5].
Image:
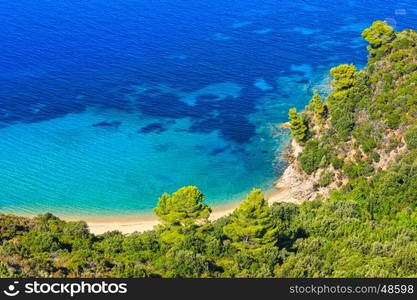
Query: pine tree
[318, 107]
[251, 225]
[297, 125]
[379, 34]
[184, 207]
[344, 76]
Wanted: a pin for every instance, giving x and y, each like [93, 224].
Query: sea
[105, 105]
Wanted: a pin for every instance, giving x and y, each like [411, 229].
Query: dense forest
[360, 140]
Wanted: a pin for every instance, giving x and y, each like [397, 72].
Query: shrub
[326, 178]
[37, 241]
[375, 156]
[336, 162]
[351, 170]
[312, 156]
[411, 138]
[403, 43]
[393, 120]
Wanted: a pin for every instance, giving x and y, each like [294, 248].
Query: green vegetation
[361, 138]
[369, 111]
[326, 178]
[250, 225]
[343, 77]
[367, 229]
[297, 125]
[411, 138]
[317, 106]
[378, 34]
[185, 207]
[313, 156]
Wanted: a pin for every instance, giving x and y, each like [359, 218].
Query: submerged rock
[114, 124]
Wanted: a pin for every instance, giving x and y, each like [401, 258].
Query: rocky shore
[298, 185]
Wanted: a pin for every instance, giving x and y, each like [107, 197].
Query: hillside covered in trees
[360, 145]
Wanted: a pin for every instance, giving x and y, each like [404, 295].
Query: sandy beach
[143, 223]
[285, 189]
[140, 224]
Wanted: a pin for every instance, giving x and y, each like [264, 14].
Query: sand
[143, 223]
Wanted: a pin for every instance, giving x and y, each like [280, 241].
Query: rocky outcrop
[294, 185]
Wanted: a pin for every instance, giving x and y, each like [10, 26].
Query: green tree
[297, 125]
[251, 224]
[317, 105]
[184, 207]
[343, 76]
[378, 34]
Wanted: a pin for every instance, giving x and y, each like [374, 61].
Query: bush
[337, 162]
[375, 156]
[37, 241]
[403, 43]
[411, 138]
[326, 178]
[351, 170]
[185, 263]
[312, 156]
[77, 229]
[393, 120]
[364, 135]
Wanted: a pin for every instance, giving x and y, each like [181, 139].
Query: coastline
[292, 186]
[147, 222]
[286, 189]
[289, 187]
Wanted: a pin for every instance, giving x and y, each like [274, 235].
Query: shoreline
[137, 223]
[283, 191]
[145, 223]
[292, 187]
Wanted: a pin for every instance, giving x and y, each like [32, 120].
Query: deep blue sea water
[104, 105]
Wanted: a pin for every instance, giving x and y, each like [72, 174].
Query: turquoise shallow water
[69, 167]
[105, 105]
